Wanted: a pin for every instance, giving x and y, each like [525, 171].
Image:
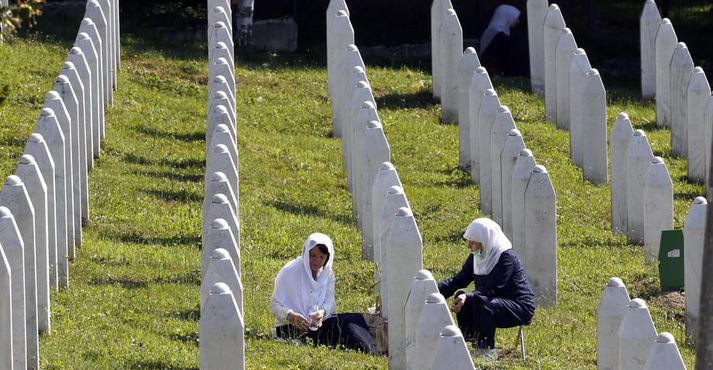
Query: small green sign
[671, 260]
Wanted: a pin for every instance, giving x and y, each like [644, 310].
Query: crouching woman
[502, 297]
[303, 301]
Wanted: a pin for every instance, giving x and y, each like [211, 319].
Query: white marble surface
[610, 312]
[638, 158]
[637, 335]
[648, 26]
[664, 45]
[11, 242]
[594, 129]
[541, 236]
[693, 246]
[619, 139]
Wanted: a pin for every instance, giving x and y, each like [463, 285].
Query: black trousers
[478, 319]
[345, 329]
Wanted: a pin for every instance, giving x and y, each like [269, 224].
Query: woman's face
[474, 246]
[317, 259]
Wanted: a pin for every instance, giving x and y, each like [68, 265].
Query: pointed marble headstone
[386, 177]
[636, 335]
[219, 184]
[610, 311]
[638, 159]
[693, 245]
[376, 151]
[699, 92]
[219, 207]
[566, 45]
[6, 332]
[536, 13]
[395, 200]
[220, 236]
[468, 65]
[11, 242]
[80, 63]
[221, 331]
[524, 164]
[648, 25]
[451, 53]
[503, 124]
[438, 10]
[434, 317]
[222, 268]
[665, 355]
[339, 33]
[619, 139]
[95, 13]
[451, 349]
[422, 286]
[708, 128]
[219, 160]
[664, 46]
[681, 68]
[404, 259]
[554, 23]
[577, 77]
[594, 129]
[511, 151]
[486, 118]
[541, 236]
[480, 82]
[91, 55]
[658, 205]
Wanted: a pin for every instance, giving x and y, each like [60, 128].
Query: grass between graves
[133, 297]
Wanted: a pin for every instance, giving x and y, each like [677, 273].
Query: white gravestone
[404, 259]
[219, 114]
[665, 355]
[577, 77]
[503, 124]
[536, 13]
[6, 332]
[70, 130]
[219, 207]
[451, 349]
[422, 285]
[219, 184]
[376, 151]
[486, 118]
[220, 236]
[89, 28]
[219, 94]
[435, 315]
[222, 135]
[339, 34]
[221, 268]
[636, 336]
[563, 59]
[511, 151]
[36, 188]
[221, 50]
[648, 25]
[48, 128]
[11, 242]
[619, 139]
[665, 44]
[699, 91]
[364, 110]
[14, 196]
[221, 67]
[219, 15]
[541, 236]
[524, 164]
[75, 85]
[91, 54]
[594, 129]
[438, 10]
[350, 58]
[217, 11]
[395, 200]
[658, 206]
[221, 331]
[610, 312]
[708, 128]
[638, 158]
[468, 65]
[554, 23]
[386, 177]
[693, 246]
[107, 11]
[37, 148]
[480, 82]
[681, 68]
[76, 57]
[357, 86]
[221, 33]
[451, 53]
[95, 13]
[219, 160]
[343, 36]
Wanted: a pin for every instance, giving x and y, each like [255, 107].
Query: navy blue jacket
[507, 280]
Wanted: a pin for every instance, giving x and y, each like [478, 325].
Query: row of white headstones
[45, 203]
[514, 190]
[221, 327]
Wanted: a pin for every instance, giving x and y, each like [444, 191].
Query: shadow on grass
[133, 238]
[183, 196]
[306, 210]
[185, 137]
[421, 99]
[170, 175]
[155, 365]
[190, 338]
[173, 163]
[193, 314]
[687, 195]
[124, 282]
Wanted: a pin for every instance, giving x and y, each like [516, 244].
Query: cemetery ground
[134, 286]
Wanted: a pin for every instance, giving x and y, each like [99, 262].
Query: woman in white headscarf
[303, 301]
[495, 42]
[502, 297]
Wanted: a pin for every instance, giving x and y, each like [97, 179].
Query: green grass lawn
[134, 286]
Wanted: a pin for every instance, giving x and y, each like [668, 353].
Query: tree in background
[14, 16]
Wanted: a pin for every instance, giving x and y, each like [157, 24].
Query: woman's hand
[458, 303]
[299, 321]
[317, 317]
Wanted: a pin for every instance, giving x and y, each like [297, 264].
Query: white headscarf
[294, 286]
[504, 17]
[488, 233]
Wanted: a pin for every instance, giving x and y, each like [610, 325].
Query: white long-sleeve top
[280, 310]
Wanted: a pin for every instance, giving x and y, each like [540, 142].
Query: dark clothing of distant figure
[501, 299]
[504, 46]
[349, 330]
